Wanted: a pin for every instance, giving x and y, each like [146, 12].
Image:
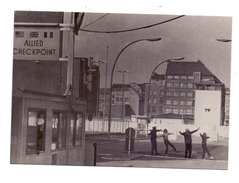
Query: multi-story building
[175, 91]
[154, 99]
[127, 100]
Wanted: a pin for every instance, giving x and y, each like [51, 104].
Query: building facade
[175, 91]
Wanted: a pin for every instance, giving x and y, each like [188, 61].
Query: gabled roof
[187, 68]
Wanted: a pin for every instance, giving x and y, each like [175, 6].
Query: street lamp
[168, 60]
[123, 72]
[38, 62]
[224, 40]
[112, 72]
[98, 82]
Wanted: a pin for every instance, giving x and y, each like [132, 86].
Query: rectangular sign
[36, 44]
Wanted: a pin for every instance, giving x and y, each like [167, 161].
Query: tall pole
[112, 73]
[123, 100]
[148, 93]
[98, 82]
[106, 69]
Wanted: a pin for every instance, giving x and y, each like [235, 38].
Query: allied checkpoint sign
[36, 44]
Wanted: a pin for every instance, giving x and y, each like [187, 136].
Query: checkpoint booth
[48, 116]
[47, 129]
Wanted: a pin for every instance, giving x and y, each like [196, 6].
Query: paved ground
[113, 153]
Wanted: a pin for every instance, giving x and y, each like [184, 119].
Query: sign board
[36, 44]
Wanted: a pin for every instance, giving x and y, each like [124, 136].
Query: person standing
[153, 137]
[167, 142]
[204, 146]
[188, 141]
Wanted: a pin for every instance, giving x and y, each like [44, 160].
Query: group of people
[187, 139]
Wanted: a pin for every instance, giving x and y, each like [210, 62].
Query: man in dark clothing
[188, 141]
[153, 134]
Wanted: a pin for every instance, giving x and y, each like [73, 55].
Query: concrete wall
[207, 107]
[216, 133]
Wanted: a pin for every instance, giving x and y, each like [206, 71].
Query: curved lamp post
[168, 60]
[38, 62]
[224, 40]
[112, 72]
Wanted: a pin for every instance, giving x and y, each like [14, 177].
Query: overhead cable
[129, 30]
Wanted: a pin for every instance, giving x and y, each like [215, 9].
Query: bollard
[95, 153]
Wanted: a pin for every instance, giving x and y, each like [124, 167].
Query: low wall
[216, 133]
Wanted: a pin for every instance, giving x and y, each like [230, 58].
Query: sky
[191, 37]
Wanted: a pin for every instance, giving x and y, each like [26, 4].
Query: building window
[168, 110]
[175, 93]
[168, 102]
[162, 92]
[176, 85]
[59, 122]
[76, 129]
[181, 111]
[190, 77]
[160, 109]
[161, 100]
[189, 102]
[168, 93]
[155, 100]
[36, 129]
[154, 109]
[183, 85]
[155, 92]
[169, 85]
[175, 102]
[169, 77]
[176, 77]
[197, 77]
[188, 111]
[181, 102]
[182, 94]
[175, 111]
[184, 77]
[189, 94]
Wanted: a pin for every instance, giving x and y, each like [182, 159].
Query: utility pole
[123, 109]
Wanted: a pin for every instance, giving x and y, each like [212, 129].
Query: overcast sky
[192, 37]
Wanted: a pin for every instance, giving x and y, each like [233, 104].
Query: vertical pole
[129, 141]
[71, 57]
[95, 153]
[123, 98]
[106, 68]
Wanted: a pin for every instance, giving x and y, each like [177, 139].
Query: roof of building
[158, 76]
[187, 68]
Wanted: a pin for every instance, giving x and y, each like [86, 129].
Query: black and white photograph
[103, 90]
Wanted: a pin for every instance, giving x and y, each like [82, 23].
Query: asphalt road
[113, 153]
